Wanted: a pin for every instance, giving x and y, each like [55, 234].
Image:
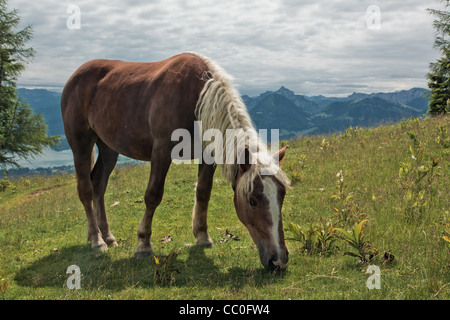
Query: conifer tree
[23, 134]
[439, 75]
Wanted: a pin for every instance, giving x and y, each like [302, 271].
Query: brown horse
[134, 108]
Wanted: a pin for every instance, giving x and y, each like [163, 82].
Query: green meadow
[366, 197]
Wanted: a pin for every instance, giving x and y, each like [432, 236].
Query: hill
[392, 178]
[299, 100]
[48, 103]
[415, 97]
[365, 112]
[275, 111]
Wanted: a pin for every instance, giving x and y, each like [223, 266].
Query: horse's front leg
[202, 195]
[153, 197]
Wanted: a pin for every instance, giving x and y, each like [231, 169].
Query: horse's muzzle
[275, 263]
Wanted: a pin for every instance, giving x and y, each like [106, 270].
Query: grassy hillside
[393, 180]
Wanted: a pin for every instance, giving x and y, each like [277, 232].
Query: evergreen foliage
[22, 133]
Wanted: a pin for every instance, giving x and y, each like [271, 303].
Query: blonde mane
[220, 107]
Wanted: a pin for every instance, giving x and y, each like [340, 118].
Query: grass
[43, 228]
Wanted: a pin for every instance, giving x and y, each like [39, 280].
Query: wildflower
[340, 177]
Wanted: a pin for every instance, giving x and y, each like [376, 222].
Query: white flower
[340, 176]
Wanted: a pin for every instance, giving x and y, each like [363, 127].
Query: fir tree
[23, 134]
[439, 75]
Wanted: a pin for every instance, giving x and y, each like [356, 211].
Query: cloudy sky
[310, 46]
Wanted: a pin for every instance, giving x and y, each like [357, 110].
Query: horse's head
[258, 200]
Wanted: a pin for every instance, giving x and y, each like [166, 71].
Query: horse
[132, 108]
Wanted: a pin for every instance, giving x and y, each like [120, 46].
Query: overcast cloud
[311, 47]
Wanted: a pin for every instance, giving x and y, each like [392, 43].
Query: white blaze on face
[271, 192]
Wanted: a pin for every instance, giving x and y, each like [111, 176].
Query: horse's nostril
[270, 264]
[276, 264]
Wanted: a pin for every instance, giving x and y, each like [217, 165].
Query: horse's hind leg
[82, 152]
[104, 165]
[202, 195]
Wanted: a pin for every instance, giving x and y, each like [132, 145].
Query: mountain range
[297, 115]
[292, 114]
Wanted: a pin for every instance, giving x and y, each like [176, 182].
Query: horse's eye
[252, 202]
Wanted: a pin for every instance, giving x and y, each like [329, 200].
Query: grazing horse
[133, 108]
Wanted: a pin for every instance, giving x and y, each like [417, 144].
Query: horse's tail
[93, 158]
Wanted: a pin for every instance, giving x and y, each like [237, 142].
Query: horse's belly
[139, 150]
[130, 139]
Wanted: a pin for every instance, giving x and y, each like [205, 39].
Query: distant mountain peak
[285, 92]
[283, 88]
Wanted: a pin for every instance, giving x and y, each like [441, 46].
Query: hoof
[112, 243]
[203, 239]
[143, 255]
[110, 240]
[205, 243]
[97, 242]
[100, 247]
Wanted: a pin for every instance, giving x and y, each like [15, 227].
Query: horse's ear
[245, 160]
[279, 155]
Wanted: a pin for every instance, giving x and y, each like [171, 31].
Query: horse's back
[118, 75]
[129, 105]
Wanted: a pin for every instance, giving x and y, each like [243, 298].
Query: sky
[312, 47]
